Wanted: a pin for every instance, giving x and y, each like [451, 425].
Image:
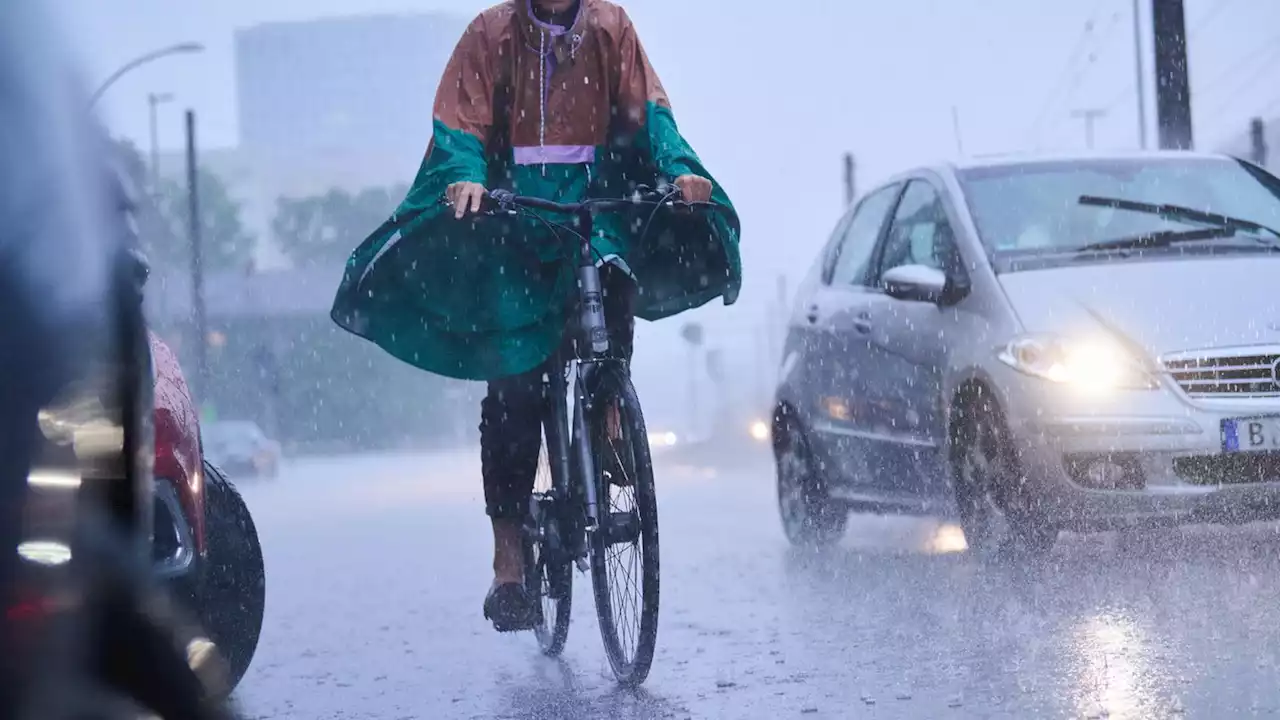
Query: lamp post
[178, 49]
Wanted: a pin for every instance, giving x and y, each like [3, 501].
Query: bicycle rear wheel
[548, 574]
[624, 550]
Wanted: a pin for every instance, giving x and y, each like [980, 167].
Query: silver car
[1040, 345]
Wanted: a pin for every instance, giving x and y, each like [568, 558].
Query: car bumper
[1138, 456]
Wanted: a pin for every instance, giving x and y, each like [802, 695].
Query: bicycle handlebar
[664, 194]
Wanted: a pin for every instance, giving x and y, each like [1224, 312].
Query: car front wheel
[998, 515]
[810, 517]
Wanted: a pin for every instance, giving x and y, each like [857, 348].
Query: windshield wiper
[1165, 238]
[1180, 213]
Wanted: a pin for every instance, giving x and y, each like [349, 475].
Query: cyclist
[554, 99]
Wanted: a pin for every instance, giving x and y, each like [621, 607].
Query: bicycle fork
[595, 341]
[573, 466]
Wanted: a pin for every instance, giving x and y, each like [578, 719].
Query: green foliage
[163, 218]
[334, 393]
[323, 229]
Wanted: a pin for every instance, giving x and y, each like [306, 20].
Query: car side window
[920, 233]
[831, 249]
[860, 237]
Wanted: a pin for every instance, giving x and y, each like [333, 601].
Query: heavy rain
[953, 389]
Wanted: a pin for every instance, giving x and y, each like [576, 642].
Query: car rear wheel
[810, 517]
[998, 516]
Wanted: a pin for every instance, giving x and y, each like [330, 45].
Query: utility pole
[154, 100]
[693, 335]
[1140, 84]
[955, 129]
[197, 266]
[850, 179]
[1089, 116]
[1173, 82]
[1258, 142]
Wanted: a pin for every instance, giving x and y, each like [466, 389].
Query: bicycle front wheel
[548, 573]
[624, 550]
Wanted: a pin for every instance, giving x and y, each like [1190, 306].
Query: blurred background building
[334, 116]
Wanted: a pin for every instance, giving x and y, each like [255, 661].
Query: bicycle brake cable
[654, 213]
[552, 225]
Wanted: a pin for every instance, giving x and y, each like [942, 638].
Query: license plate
[1251, 434]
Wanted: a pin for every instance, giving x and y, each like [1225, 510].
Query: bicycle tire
[613, 387]
[552, 629]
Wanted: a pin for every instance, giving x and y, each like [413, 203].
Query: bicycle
[573, 518]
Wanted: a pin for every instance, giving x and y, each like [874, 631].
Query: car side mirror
[919, 283]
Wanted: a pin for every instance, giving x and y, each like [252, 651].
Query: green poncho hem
[485, 297]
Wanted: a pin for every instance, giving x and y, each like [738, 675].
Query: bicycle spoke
[626, 598]
[624, 555]
[544, 578]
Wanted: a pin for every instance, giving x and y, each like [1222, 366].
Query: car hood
[1160, 305]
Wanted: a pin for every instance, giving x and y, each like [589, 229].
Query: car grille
[1232, 372]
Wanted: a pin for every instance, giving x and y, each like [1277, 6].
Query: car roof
[951, 168]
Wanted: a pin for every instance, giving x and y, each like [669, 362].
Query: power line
[1263, 71]
[1213, 14]
[1273, 106]
[1103, 43]
[1270, 47]
[1120, 97]
[1067, 74]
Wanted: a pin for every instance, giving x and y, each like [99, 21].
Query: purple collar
[553, 30]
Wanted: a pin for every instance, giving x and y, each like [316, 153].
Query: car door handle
[862, 323]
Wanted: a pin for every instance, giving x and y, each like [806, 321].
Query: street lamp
[180, 48]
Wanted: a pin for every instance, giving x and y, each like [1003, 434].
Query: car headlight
[759, 431]
[1094, 365]
[662, 439]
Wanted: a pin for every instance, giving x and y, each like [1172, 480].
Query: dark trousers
[511, 413]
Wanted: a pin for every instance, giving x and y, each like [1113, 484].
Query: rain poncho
[558, 113]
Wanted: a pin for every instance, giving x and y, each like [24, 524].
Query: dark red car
[205, 545]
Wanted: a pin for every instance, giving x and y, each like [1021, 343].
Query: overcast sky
[772, 93]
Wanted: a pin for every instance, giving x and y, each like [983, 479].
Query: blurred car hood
[1160, 305]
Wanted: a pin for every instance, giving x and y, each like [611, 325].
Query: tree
[163, 214]
[323, 229]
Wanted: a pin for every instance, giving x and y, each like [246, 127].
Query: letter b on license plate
[1251, 434]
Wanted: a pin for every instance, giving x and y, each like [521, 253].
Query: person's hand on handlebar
[465, 197]
[694, 188]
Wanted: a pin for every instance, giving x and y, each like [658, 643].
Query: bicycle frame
[568, 443]
[572, 451]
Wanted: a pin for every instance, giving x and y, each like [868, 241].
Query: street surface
[376, 568]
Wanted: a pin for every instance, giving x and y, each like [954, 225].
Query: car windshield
[1035, 209]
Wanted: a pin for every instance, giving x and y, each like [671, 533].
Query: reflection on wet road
[376, 569]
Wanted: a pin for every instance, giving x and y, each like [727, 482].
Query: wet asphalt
[376, 567]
